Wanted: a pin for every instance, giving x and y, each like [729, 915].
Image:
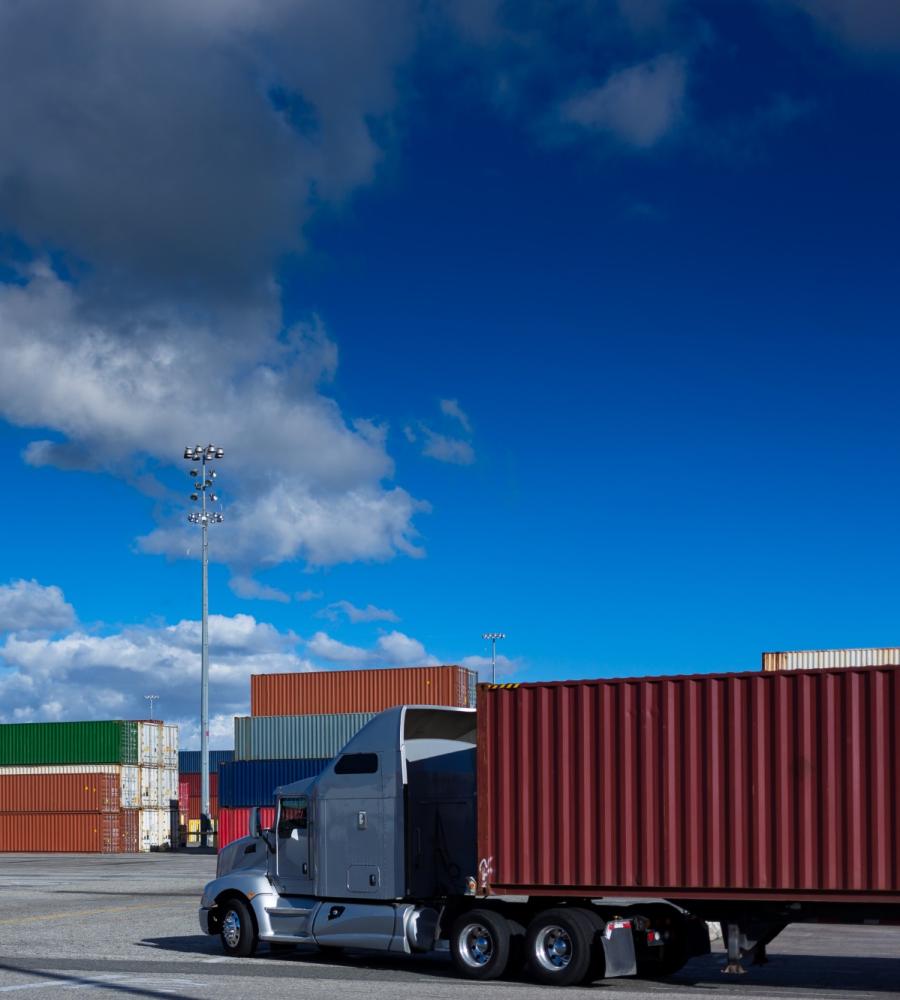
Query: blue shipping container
[253, 782]
[189, 760]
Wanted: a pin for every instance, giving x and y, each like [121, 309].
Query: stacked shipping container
[830, 659]
[299, 722]
[87, 786]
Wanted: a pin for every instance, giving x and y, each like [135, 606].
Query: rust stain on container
[340, 691]
[67, 792]
[64, 832]
[746, 785]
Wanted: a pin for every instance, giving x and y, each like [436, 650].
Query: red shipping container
[184, 794]
[741, 786]
[330, 692]
[193, 807]
[65, 832]
[234, 822]
[59, 792]
[193, 783]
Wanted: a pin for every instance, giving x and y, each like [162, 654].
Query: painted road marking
[84, 981]
[85, 913]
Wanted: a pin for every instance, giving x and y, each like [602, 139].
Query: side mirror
[254, 826]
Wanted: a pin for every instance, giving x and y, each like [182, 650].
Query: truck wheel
[238, 933]
[480, 943]
[559, 947]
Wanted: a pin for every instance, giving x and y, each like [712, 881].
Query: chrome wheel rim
[553, 948]
[476, 945]
[231, 929]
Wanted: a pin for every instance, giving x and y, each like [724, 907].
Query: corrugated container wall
[279, 736]
[253, 782]
[830, 659]
[189, 760]
[61, 832]
[341, 691]
[234, 823]
[66, 792]
[109, 742]
[763, 784]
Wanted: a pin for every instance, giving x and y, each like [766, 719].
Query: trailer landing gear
[745, 938]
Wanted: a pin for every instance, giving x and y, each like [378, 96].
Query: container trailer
[586, 829]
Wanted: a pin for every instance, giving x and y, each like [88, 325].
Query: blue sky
[575, 321]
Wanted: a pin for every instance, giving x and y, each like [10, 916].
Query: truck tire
[238, 929]
[480, 944]
[559, 947]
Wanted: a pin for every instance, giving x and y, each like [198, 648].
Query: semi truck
[585, 829]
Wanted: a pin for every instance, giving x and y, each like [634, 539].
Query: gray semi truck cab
[378, 852]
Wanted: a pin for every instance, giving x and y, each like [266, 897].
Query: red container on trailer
[234, 823]
[330, 692]
[736, 786]
[73, 792]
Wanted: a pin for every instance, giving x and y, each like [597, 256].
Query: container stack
[831, 659]
[299, 722]
[189, 804]
[98, 787]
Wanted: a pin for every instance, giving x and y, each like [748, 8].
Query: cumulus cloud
[638, 105]
[354, 614]
[402, 650]
[253, 590]
[506, 667]
[27, 606]
[322, 646]
[81, 675]
[117, 392]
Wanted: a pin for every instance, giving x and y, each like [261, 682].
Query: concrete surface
[126, 926]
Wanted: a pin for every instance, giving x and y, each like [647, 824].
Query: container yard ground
[126, 925]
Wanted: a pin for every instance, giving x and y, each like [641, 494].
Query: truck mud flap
[618, 950]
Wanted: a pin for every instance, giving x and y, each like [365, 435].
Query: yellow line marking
[82, 913]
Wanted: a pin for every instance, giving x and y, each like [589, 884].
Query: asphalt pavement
[126, 926]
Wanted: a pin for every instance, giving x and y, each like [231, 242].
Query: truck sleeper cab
[379, 852]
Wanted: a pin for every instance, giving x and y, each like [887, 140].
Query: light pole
[493, 636]
[151, 698]
[202, 480]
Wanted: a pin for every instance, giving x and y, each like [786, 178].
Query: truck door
[292, 864]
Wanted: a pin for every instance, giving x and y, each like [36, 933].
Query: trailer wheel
[480, 944]
[559, 947]
[238, 929]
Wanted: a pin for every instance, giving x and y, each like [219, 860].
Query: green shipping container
[112, 742]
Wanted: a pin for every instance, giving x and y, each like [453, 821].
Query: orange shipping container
[331, 692]
[59, 792]
[70, 832]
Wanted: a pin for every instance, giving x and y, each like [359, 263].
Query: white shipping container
[150, 743]
[830, 659]
[170, 746]
[169, 785]
[130, 786]
[155, 829]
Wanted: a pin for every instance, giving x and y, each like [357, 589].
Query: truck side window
[293, 816]
[357, 763]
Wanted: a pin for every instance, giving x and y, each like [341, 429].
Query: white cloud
[639, 105]
[250, 589]
[324, 647]
[447, 449]
[83, 676]
[308, 595]
[398, 649]
[118, 390]
[451, 408]
[506, 667]
[27, 606]
[367, 614]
